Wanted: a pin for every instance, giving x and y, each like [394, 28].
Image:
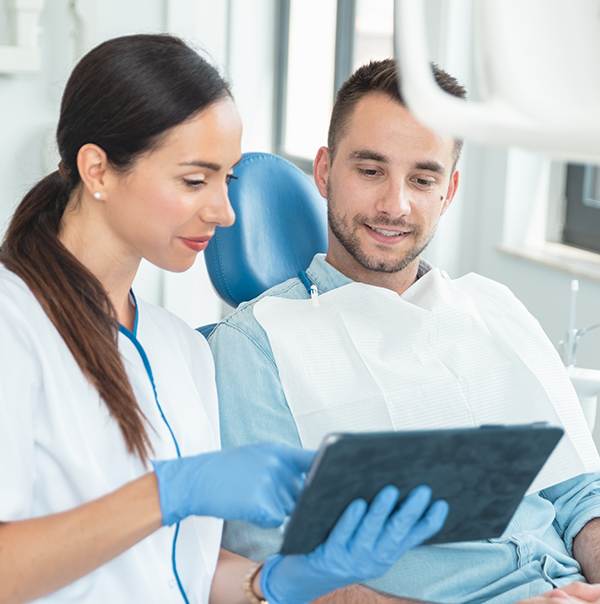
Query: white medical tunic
[60, 448]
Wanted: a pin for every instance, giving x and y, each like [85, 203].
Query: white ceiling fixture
[538, 72]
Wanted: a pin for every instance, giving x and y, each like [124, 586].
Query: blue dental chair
[281, 223]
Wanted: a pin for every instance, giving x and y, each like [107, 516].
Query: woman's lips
[196, 243]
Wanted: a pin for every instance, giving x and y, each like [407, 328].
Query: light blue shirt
[534, 554]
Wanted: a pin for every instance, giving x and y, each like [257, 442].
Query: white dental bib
[445, 354]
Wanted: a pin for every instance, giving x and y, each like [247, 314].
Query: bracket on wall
[86, 14]
[24, 55]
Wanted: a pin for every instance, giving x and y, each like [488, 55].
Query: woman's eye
[193, 184]
[229, 178]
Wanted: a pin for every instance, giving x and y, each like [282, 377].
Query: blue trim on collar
[133, 339]
[137, 314]
[130, 336]
[174, 565]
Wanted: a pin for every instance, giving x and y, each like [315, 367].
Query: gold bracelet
[247, 585]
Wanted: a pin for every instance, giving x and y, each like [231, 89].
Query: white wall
[29, 108]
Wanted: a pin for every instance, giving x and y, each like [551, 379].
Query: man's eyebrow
[368, 155]
[431, 166]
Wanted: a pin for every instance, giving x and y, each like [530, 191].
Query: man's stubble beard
[345, 235]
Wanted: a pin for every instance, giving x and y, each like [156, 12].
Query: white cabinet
[23, 55]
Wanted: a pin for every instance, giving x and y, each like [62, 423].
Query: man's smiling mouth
[387, 233]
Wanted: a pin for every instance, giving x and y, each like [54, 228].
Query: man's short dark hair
[382, 77]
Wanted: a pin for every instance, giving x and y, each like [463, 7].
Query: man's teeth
[388, 233]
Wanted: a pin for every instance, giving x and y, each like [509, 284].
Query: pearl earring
[97, 195]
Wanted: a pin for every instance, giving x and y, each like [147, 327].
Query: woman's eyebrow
[202, 164]
[207, 164]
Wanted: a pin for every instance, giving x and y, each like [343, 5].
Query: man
[387, 180]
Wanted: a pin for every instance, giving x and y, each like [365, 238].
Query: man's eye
[229, 178]
[368, 172]
[422, 182]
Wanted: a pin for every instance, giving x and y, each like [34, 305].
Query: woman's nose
[219, 211]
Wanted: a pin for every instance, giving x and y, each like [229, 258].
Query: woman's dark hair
[123, 96]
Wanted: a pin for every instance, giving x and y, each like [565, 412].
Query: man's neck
[398, 282]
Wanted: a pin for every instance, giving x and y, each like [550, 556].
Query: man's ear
[321, 168]
[452, 186]
[92, 164]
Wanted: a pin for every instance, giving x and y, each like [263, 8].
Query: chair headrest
[281, 223]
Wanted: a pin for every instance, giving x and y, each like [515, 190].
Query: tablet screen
[482, 473]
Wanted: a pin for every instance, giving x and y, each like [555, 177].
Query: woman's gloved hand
[257, 483]
[362, 545]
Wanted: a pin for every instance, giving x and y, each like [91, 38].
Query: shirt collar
[326, 278]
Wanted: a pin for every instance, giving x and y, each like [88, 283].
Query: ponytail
[75, 302]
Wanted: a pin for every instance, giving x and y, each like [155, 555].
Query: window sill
[572, 260]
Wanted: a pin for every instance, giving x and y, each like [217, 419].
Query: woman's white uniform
[59, 446]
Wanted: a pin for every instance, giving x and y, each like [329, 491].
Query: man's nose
[395, 200]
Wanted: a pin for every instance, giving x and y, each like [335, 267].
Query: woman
[95, 385]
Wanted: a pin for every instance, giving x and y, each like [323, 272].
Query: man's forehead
[380, 127]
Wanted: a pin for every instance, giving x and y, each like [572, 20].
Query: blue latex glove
[362, 545]
[256, 483]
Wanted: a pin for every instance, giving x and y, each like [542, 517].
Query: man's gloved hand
[361, 546]
[257, 483]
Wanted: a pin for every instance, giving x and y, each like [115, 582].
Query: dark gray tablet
[482, 473]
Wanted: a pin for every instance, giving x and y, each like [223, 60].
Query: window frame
[344, 50]
[582, 220]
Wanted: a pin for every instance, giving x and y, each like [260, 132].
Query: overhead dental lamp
[538, 73]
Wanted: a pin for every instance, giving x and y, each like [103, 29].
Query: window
[309, 76]
[582, 217]
[373, 31]
[314, 57]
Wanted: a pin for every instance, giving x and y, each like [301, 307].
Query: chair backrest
[281, 223]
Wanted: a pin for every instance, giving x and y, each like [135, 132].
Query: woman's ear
[92, 164]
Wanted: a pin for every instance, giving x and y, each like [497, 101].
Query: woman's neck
[87, 238]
